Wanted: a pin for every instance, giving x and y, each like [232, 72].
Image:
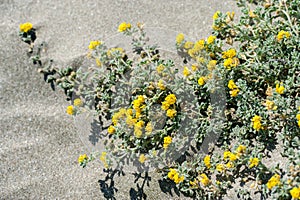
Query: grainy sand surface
[39, 142]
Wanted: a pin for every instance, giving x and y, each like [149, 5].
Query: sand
[39, 143]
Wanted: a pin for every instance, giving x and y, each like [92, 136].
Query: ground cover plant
[237, 90]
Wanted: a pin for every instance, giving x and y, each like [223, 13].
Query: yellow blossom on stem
[171, 113]
[211, 39]
[270, 105]
[211, 65]
[295, 192]
[253, 162]
[279, 89]
[226, 155]
[188, 45]
[186, 71]
[111, 129]
[171, 99]
[161, 85]
[94, 44]
[179, 38]
[201, 81]
[241, 149]
[273, 181]
[216, 15]
[234, 92]
[204, 179]
[25, 27]
[230, 53]
[142, 158]
[149, 128]
[167, 141]
[283, 34]
[207, 161]
[124, 26]
[231, 85]
[165, 105]
[70, 110]
[220, 167]
[78, 102]
[257, 122]
[230, 165]
[160, 68]
[82, 158]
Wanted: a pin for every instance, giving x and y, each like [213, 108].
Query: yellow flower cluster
[70, 110]
[94, 44]
[167, 141]
[298, 118]
[139, 105]
[124, 26]
[188, 45]
[257, 122]
[283, 34]
[103, 159]
[113, 51]
[279, 88]
[82, 158]
[201, 80]
[111, 129]
[179, 38]
[230, 59]
[234, 88]
[295, 192]
[167, 103]
[174, 176]
[160, 68]
[211, 65]
[273, 181]
[149, 128]
[253, 162]
[211, 39]
[270, 105]
[207, 161]
[204, 179]
[186, 71]
[142, 158]
[161, 85]
[195, 50]
[78, 102]
[25, 27]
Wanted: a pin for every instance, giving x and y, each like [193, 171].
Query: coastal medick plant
[253, 60]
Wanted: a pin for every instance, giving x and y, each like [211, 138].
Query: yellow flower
[251, 14]
[234, 92]
[299, 123]
[207, 161]
[211, 39]
[273, 181]
[230, 165]
[194, 67]
[138, 132]
[172, 173]
[230, 53]
[171, 99]
[77, 102]
[98, 62]
[140, 124]
[283, 34]
[179, 38]
[82, 158]
[199, 45]
[25, 27]
[148, 128]
[160, 68]
[194, 183]
[70, 110]
[220, 167]
[279, 89]
[231, 85]
[188, 45]
[232, 157]
[111, 129]
[295, 192]
[186, 72]
[241, 149]
[226, 154]
[216, 15]
[124, 26]
[165, 105]
[253, 162]
[161, 85]
[167, 141]
[270, 105]
[178, 179]
[257, 122]
[171, 113]
[201, 59]
[298, 116]
[94, 44]
[103, 156]
[211, 65]
[142, 158]
[201, 81]
[204, 179]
